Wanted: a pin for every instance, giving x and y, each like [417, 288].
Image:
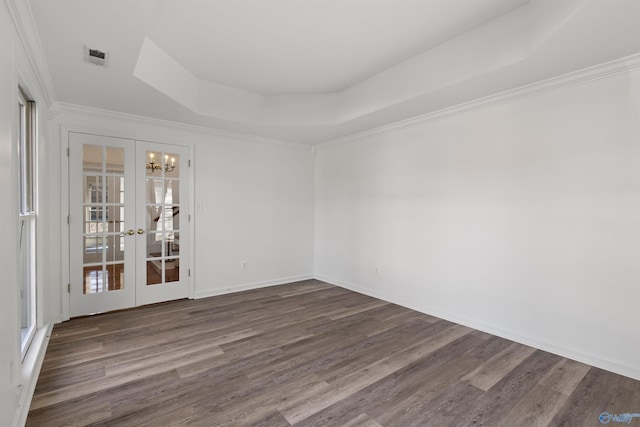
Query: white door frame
[65, 260]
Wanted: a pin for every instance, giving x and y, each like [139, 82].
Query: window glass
[27, 215]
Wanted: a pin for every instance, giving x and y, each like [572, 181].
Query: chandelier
[168, 167]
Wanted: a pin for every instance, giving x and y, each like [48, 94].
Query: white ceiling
[314, 70]
[292, 46]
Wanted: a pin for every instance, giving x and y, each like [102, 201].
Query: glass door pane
[162, 219]
[101, 244]
[164, 185]
[103, 210]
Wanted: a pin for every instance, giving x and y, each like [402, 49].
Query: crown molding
[574, 78]
[22, 17]
[74, 108]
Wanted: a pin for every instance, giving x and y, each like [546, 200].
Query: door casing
[156, 137]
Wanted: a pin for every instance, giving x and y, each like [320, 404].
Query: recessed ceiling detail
[316, 70]
[274, 47]
[496, 44]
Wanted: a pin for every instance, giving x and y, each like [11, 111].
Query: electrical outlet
[243, 265]
[377, 270]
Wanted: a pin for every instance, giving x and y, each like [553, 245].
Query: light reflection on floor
[97, 280]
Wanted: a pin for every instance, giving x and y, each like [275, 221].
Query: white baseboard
[250, 286]
[598, 362]
[30, 372]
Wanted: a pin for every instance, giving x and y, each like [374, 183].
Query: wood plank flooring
[308, 354]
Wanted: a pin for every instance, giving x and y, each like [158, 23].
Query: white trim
[251, 286]
[25, 26]
[65, 258]
[598, 362]
[192, 222]
[117, 133]
[30, 372]
[74, 108]
[574, 78]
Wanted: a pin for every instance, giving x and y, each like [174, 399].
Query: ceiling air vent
[96, 56]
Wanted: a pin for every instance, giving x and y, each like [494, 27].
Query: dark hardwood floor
[309, 354]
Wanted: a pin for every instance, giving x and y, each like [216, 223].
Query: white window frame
[27, 219]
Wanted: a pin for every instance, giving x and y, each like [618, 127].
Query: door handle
[140, 231]
[130, 232]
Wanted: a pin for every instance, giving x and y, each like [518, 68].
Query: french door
[128, 223]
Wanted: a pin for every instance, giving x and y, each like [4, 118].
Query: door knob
[140, 231]
[130, 232]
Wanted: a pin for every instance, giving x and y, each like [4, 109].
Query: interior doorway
[129, 231]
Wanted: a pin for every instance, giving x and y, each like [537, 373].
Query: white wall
[9, 326]
[17, 374]
[256, 200]
[521, 219]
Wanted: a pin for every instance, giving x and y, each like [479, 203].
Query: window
[27, 218]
